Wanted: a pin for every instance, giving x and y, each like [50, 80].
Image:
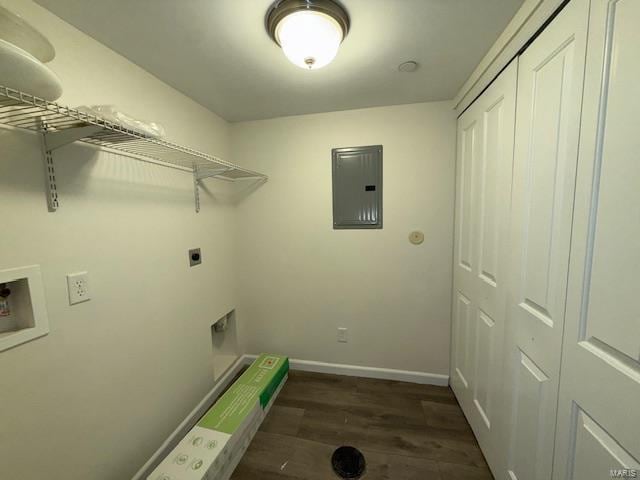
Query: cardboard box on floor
[212, 449]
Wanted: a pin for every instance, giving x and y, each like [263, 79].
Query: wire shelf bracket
[51, 141]
[59, 126]
[199, 175]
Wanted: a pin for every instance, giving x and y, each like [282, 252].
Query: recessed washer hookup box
[212, 449]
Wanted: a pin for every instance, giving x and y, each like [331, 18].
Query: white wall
[97, 396]
[300, 279]
[94, 398]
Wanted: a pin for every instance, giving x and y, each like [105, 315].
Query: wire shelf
[25, 111]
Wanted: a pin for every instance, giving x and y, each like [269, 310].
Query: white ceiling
[218, 52]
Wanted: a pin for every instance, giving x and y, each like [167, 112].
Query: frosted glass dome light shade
[309, 39]
[308, 31]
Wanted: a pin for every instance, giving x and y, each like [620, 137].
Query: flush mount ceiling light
[308, 31]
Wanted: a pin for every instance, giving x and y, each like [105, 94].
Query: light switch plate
[78, 285]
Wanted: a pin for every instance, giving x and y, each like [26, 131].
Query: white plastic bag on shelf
[112, 114]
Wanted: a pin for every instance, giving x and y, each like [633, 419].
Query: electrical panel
[357, 187]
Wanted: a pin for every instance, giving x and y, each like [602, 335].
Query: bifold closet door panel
[550, 85]
[484, 167]
[599, 403]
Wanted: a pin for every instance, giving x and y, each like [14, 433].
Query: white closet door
[599, 405]
[550, 84]
[484, 167]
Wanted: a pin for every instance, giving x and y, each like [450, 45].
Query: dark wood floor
[405, 431]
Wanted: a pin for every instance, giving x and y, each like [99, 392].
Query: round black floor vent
[348, 462]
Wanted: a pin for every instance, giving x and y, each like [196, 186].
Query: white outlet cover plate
[78, 286]
[342, 335]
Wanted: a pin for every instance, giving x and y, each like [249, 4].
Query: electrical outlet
[195, 257]
[342, 335]
[78, 285]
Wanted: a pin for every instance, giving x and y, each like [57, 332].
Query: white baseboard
[367, 372]
[189, 422]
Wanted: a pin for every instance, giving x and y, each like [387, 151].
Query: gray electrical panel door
[357, 187]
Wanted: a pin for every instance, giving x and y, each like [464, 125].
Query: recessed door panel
[465, 194]
[596, 453]
[530, 425]
[614, 257]
[462, 338]
[491, 193]
[484, 365]
[547, 176]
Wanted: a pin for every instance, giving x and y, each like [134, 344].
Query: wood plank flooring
[405, 431]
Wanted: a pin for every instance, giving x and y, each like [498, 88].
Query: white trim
[367, 372]
[189, 422]
[526, 22]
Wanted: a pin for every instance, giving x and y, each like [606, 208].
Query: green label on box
[257, 384]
